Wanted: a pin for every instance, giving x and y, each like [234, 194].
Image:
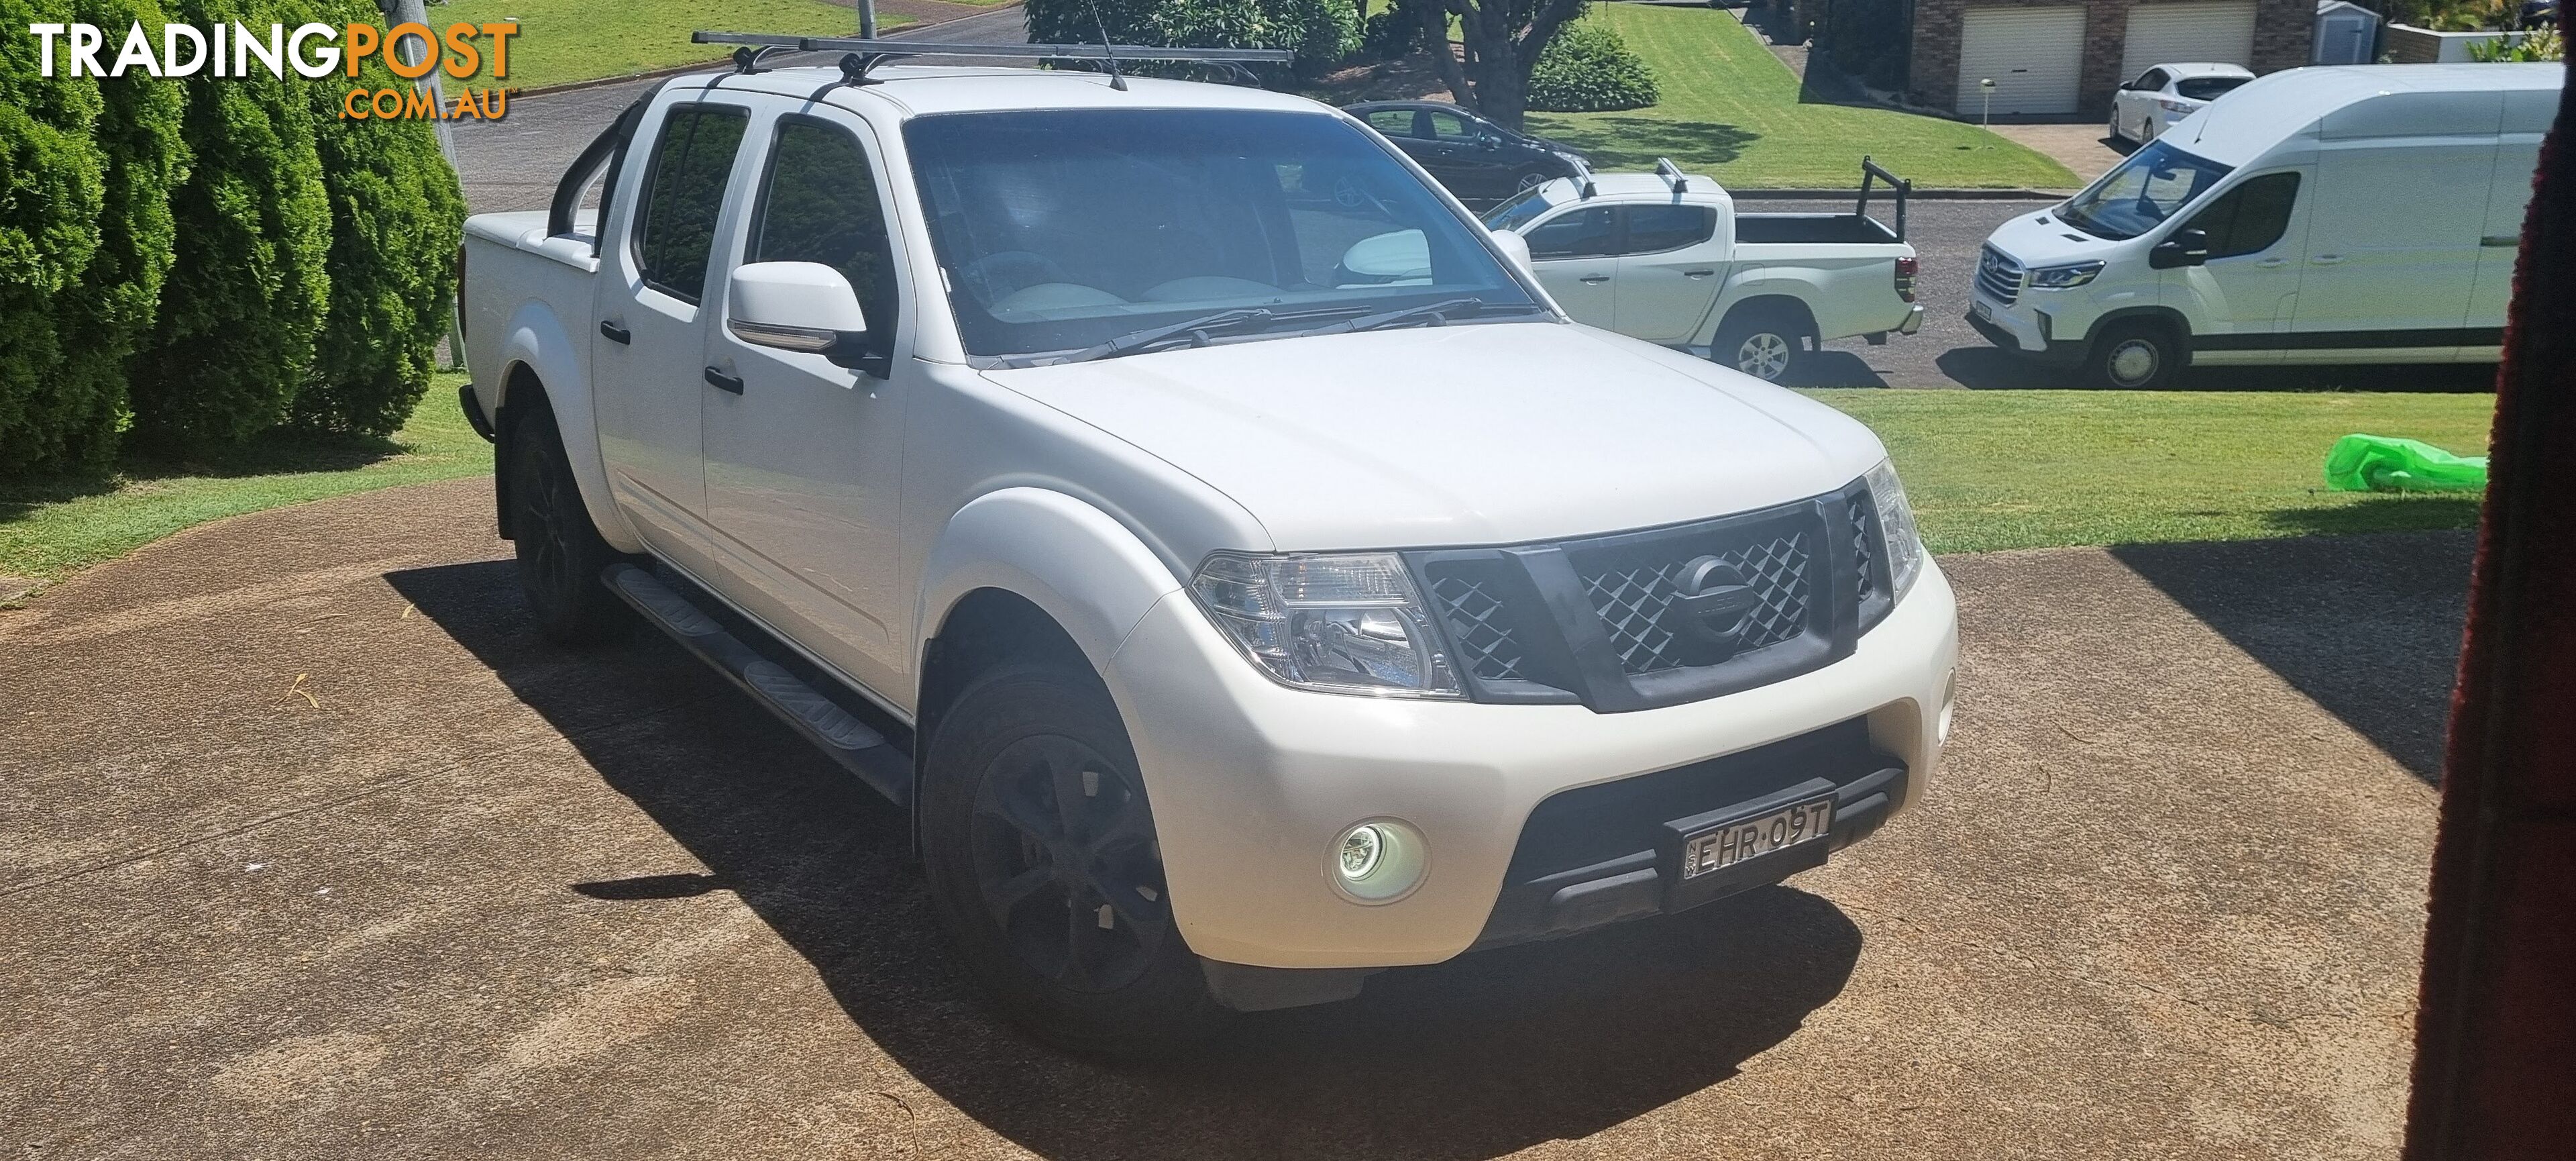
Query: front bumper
[1252, 782]
[2007, 328]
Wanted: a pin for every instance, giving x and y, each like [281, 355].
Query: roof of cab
[922, 90]
[2240, 127]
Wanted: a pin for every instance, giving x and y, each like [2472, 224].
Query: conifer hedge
[189, 262]
[397, 217]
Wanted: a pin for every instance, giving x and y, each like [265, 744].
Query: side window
[1451, 127]
[818, 203]
[1392, 122]
[1653, 229]
[2152, 81]
[2249, 218]
[1582, 234]
[684, 194]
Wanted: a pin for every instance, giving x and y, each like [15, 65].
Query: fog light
[1378, 861]
[1361, 848]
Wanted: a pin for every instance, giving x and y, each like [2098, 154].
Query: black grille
[1599, 620]
[1636, 601]
[1472, 607]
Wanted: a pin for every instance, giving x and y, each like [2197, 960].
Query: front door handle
[1595, 279]
[2270, 263]
[731, 384]
[615, 333]
[2326, 259]
[1697, 273]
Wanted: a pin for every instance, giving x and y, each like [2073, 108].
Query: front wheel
[2135, 357]
[1040, 853]
[1767, 345]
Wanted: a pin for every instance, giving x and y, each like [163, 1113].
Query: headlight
[1341, 624]
[2064, 277]
[1896, 528]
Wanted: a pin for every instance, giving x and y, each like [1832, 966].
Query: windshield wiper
[1437, 313]
[1196, 330]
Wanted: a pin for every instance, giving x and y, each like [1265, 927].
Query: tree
[1503, 41]
[245, 299]
[396, 219]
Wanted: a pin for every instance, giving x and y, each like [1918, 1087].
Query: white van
[2353, 214]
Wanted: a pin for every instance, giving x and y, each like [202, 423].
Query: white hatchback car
[2167, 93]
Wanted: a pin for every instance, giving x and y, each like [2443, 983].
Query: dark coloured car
[1479, 161]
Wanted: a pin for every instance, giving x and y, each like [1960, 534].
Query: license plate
[1725, 846]
[1981, 310]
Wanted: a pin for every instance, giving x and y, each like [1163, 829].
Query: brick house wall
[2283, 30]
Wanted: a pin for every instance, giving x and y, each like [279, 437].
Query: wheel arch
[1027, 572]
[536, 352]
[1765, 298]
[2164, 316]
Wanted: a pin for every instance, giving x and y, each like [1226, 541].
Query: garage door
[2034, 56]
[2221, 33]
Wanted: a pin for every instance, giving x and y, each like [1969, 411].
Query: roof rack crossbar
[887, 49]
[1672, 174]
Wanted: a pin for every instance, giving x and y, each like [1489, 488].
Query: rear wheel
[1767, 344]
[1042, 863]
[2135, 357]
[560, 551]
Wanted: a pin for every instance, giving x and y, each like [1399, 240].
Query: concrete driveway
[308, 849]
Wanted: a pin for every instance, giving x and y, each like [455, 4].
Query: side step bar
[847, 740]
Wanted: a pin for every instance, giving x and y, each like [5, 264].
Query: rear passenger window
[684, 194]
[1653, 229]
[1393, 122]
[819, 204]
[1581, 234]
[2249, 218]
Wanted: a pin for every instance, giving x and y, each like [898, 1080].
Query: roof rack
[863, 55]
[1672, 174]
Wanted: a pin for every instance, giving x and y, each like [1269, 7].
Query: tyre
[1039, 850]
[2135, 357]
[2114, 126]
[1766, 344]
[560, 551]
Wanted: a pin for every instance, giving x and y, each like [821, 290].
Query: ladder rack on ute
[863, 55]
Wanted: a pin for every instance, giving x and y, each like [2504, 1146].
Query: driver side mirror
[2187, 247]
[799, 306]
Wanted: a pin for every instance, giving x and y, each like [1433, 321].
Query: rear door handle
[2326, 259]
[615, 333]
[731, 384]
[2269, 263]
[1595, 279]
[1697, 273]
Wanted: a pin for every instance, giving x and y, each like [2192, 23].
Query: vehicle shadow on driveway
[2368, 627]
[1486, 1055]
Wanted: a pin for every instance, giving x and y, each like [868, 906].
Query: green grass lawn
[51, 528]
[2027, 469]
[1986, 470]
[1731, 109]
[563, 41]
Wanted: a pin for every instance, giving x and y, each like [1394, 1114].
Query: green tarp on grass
[2379, 463]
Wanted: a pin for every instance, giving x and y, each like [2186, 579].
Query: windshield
[2207, 88]
[1062, 229]
[1516, 213]
[2154, 184]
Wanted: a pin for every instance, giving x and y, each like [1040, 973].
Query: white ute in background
[1233, 622]
[1665, 257]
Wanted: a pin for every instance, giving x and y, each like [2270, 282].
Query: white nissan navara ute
[1231, 623]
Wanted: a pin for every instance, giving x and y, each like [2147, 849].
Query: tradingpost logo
[313, 51]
